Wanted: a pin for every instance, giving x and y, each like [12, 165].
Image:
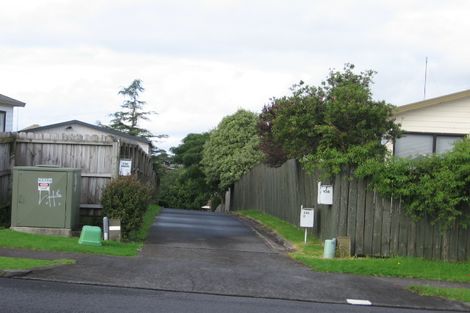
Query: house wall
[9, 117]
[82, 130]
[450, 118]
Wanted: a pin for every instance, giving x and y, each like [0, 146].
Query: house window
[3, 116]
[415, 144]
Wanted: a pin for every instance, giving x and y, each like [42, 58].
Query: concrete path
[218, 254]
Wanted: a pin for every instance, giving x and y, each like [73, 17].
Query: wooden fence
[97, 156]
[377, 226]
[6, 144]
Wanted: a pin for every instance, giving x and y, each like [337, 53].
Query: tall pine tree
[127, 120]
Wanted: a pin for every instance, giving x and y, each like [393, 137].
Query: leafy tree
[275, 154]
[132, 112]
[334, 125]
[185, 186]
[232, 150]
[297, 116]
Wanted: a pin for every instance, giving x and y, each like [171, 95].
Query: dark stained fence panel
[377, 226]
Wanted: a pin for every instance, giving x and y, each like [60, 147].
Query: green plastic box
[90, 236]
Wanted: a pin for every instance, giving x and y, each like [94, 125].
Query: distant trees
[185, 186]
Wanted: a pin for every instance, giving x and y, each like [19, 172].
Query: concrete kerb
[272, 238]
[14, 273]
[21, 273]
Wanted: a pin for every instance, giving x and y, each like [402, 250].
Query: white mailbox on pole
[307, 218]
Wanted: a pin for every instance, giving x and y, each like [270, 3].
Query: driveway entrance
[214, 253]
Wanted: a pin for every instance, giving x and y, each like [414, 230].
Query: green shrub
[436, 186]
[127, 199]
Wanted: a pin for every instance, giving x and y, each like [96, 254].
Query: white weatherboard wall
[8, 118]
[451, 117]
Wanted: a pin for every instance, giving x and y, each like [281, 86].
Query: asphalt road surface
[217, 254]
[22, 296]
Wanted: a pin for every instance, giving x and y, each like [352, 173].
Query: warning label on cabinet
[44, 184]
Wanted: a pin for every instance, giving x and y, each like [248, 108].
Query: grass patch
[311, 254]
[148, 219]
[457, 294]
[7, 263]
[13, 239]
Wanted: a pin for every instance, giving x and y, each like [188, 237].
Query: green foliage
[334, 125]
[132, 112]
[186, 187]
[434, 186]
[189, 153]
[296, 119]
[127, 199]
[231, 150]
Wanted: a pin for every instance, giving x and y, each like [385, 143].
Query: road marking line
[358, 302]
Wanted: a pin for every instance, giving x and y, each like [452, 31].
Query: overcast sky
[203, 59]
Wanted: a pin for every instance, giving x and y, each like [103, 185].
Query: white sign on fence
[306, 217]
[125, 167]
[325, 194]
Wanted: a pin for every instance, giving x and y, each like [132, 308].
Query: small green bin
[90, 236]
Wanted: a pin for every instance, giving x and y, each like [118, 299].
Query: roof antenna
[425, 76]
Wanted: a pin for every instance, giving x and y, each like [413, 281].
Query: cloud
[203, 59]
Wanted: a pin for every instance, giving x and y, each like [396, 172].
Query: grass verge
[13, 239]
[8, 263]
[458, 294]
[148, 219]
[311, 254]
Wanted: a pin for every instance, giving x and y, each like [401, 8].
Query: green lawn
[7, 263]
[311, 255]
[458, 294]
[149, 217]
[13, 239]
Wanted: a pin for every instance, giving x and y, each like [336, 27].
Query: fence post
[115, 159]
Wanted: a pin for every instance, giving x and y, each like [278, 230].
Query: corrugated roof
[4, 100]
[103, 129]
[433, 101]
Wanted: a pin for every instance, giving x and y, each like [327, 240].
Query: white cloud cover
[201, 60]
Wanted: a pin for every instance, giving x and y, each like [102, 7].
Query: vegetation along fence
[97, 156]
[377, 226]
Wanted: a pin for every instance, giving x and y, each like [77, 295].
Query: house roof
[96, 127]
[4, 100]
[433, 101]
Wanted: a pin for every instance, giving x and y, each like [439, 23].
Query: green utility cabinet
[45, 198]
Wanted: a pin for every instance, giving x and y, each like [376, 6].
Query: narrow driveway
[218, 254]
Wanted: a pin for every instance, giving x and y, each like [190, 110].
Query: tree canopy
[231, 150]
[329, 126]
